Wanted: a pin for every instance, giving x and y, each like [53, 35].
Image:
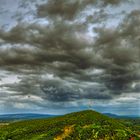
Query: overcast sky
[59, 56]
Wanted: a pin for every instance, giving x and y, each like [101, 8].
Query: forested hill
[84, 125]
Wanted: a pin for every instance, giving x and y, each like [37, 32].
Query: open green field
[84, 125]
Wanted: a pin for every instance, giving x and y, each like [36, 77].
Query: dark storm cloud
[66, 9]
[69, 9]
[61, 90]
[121, 49]
[63, 49]
[137, 88]
[57, 90]
[112, 2]
[66, 50]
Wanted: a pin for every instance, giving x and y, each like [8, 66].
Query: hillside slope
[84, 125]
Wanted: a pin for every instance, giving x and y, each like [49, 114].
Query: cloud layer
[75, 55]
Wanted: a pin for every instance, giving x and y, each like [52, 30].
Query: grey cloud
[66, 55]
[63, 91]
[59, 7]
[120, 49]
[59, 49]
[112, 2]
[49, 49]
[97, 17]
[56, 89]
[69, 9]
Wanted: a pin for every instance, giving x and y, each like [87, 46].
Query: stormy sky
[59, 56]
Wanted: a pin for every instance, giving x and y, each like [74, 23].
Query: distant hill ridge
[24, 116]
[121, 116]
[27, 116]
[84, 125]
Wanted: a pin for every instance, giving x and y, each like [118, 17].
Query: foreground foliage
[85, 125]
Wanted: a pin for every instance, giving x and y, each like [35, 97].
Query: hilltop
[84, 125]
